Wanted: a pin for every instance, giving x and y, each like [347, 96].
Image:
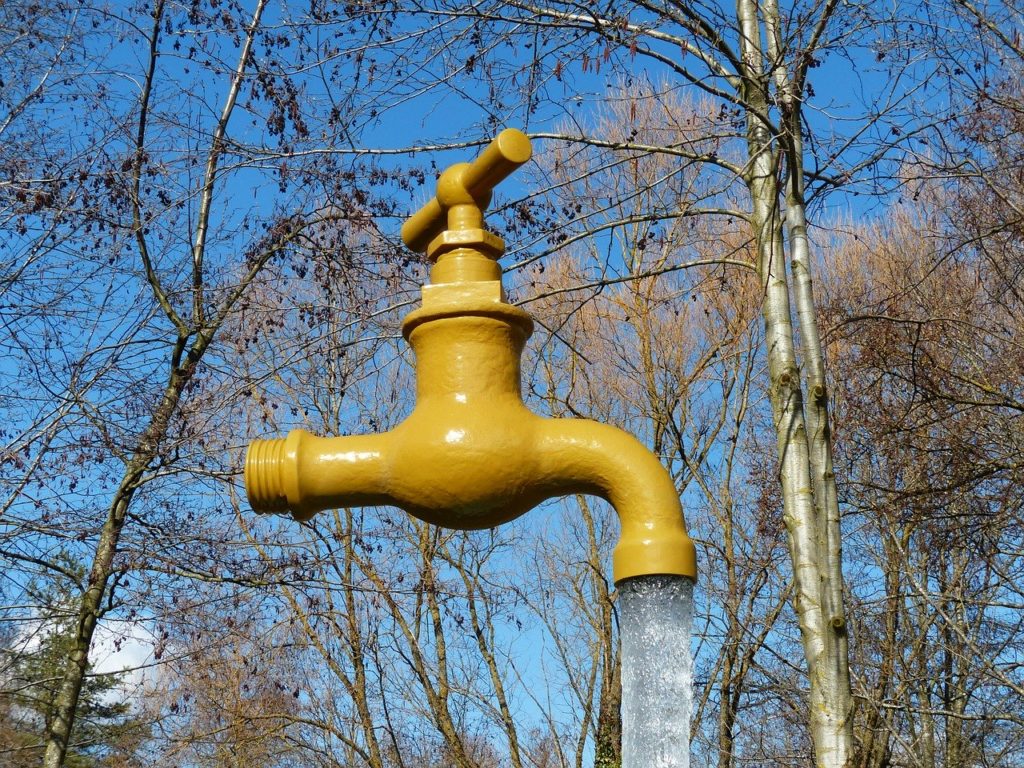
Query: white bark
[811, 511]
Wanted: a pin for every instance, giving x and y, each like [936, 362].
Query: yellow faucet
[471, 455]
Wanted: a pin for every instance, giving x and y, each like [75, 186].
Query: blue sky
[113, 305]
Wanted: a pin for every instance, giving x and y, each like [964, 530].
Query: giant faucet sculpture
[471, 455]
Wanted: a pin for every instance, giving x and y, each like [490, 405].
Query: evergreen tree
[31, 660]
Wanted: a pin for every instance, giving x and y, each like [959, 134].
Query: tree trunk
[90, 610]
[608, 740]
[813, 544]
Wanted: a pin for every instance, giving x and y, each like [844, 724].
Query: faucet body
[471, 454]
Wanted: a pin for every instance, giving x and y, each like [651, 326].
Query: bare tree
[638, 333]
[930, 440]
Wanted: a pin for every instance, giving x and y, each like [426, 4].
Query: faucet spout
[471, 454]
[604, 461]
[481, 470]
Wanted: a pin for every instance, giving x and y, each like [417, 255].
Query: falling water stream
[656, 618]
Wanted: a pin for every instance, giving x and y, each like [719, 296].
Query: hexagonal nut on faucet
[486, 242]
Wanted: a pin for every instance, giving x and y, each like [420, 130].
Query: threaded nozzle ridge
[264, 483]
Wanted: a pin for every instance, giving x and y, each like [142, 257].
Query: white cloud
[121, 646]
[117, 647]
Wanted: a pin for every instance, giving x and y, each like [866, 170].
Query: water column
[656, 621]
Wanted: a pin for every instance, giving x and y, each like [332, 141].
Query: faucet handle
[509, 150]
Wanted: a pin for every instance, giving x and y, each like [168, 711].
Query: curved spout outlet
[604, 461]
[471, 455]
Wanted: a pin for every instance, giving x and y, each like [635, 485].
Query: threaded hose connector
[264, 476]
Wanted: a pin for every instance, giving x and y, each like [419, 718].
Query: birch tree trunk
[811, 511]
